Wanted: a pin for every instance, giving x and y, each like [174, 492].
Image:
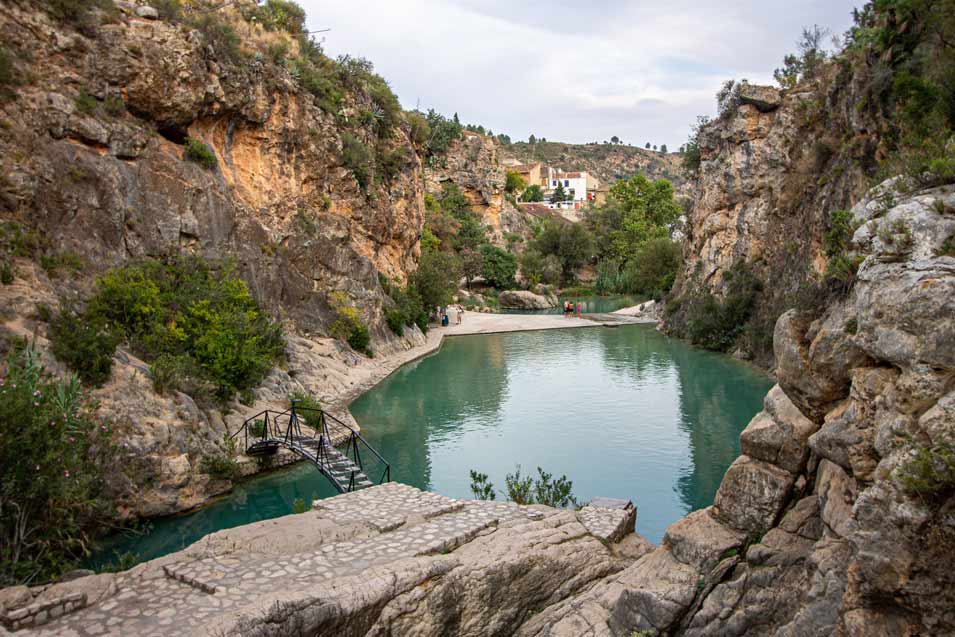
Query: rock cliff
[473, 164]
[94, 165]
[774, 166]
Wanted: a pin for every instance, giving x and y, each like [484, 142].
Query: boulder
[700, 540]
[526, 300]
[752, 494]
[779, 433]
[764, 98]
[147, 12]
[837, 492]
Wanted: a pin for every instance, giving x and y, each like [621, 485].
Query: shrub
[220, 35]
[357, 158]
[114, 105]
[7, 273]
[481, 487]
[180, 372]
[219, 466]
[86, 342]
[396, 321]
[715, 324]
[527, 490]
[299, 506]
[514, 183]
[200, 153]
[348, 325]
[930, 471]
[57, 262]
[52, 465]
[310, 409]
[257, 429]
[190, 309]
[948, 248]
[499, 266]
[281, 15]
[654, 268]
[8, 75]
[85, 103]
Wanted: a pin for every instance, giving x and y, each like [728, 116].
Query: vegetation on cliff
[193, 320]
[881, 106]
[53, 457]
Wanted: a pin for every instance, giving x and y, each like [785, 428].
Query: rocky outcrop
[105, 113]
[526, 300]
[473, 164]
[816, 530]
[774, 166]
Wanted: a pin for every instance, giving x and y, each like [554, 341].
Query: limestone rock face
[752, 494]
[779, 434]
[526, 300]
[112, 185]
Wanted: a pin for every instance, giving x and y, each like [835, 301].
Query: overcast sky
[574, 71]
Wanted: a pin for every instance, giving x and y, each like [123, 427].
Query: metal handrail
[293, 436]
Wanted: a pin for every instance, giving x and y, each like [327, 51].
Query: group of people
[570, 308]
[445, 312]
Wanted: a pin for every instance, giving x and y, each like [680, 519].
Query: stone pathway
[183, 596]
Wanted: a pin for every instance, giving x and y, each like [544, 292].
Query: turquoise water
[623, 412]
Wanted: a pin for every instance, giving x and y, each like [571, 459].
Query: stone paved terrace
[346, 546]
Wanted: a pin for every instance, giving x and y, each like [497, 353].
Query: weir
[337, 450]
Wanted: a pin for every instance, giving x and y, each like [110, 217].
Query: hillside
[609, 162]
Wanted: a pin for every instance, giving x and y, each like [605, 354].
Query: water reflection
[623, 412]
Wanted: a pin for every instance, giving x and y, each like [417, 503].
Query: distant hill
[609, 162]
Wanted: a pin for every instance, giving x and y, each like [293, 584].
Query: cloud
[569, 70]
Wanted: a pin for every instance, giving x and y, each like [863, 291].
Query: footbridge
[337, 450]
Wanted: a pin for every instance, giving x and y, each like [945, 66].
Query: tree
[53, 460]
[649, 209]
[691, 153]
[551, 269]
[472, 264]
[559, 194]
[514, 182]
[499, 267]
[532, 139]
[663, 148]
[615, 140]
[648, 146]
[533, 193]
[576, 247]
[471, 234]
[437, 278]
[532, 266]
[654, 147]
[805, 65]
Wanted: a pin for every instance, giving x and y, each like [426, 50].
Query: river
[624, 412]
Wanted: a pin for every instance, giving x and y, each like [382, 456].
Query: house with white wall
[580, 188]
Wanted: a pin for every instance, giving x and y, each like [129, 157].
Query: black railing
[319, 437]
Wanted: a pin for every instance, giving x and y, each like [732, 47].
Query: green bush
[56, 263]
[200, 153]
[499, 266]
[200, 315]
[348, 325]
[299, 506]
[481, 487]
[396, 321]
[219, 466]
[310, 409]
[7, 273]
[257, 429]
[180, 372]
[86, 343]
[357, 158]
[715, 324]
[52, 465]
[114, 105]
[220, 35]
[85, 103]
[8, 76]
[281, 15]
[931, 471]
[543, 489]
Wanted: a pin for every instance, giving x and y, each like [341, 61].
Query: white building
[579, 187]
